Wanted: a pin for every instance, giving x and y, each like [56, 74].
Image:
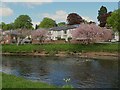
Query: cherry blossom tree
[91, 33]
[40, 35]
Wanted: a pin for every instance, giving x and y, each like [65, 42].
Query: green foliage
[114, 20]
[110, 47]
[61, 24]
[7, 26]
[10, 81]
[1, 79]
[23, 21]
[103, 10]
[68, 86]
[102, 16]
[47, 23]
[2, 24]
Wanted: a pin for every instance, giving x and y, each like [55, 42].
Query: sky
[58, 11]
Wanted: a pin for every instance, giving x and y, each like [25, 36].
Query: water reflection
[85, 73]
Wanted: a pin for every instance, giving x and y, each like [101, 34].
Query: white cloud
[58, 15]
[34, 23]
[32, 4]
[87, 18]
[62, 16]
[5, 11]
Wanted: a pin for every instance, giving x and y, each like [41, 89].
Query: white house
[116, 37]
[62, 32]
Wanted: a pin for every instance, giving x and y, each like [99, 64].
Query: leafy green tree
[10, 26]
[114, 21]
[102, 15]
[47, 23]
[7, 26]
[61, 24]
[2, 25]
[23, 21]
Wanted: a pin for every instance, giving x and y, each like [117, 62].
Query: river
[83, 72]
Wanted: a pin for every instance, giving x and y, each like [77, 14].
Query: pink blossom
[39, 34]
[92, 33]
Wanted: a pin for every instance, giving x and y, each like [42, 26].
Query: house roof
[63, 28]
[18, 32]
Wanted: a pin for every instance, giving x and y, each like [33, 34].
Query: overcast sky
[55, 10]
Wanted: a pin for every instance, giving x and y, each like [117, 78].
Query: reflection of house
[63, 32]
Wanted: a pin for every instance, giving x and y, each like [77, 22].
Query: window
[65, 32]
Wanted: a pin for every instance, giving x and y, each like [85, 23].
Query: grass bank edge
[11, 81]
[55, 48]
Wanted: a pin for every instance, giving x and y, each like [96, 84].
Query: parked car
[26, 40]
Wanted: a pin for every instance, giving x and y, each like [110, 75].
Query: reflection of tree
[93, 72]
[32, 67]
[108, 64]
[83, 71]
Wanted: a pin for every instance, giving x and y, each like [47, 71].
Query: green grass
[10, 81]
[0, 81]
[107, 47]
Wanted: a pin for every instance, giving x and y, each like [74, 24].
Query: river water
[83, 73]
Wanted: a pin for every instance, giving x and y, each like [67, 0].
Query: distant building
[13, 36]
[116, 36]
[62, 32]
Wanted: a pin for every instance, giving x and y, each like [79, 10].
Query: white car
[26, 40]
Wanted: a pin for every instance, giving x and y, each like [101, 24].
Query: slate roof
[59, 28]
[18, 32]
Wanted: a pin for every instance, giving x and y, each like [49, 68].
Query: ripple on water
[84, 73]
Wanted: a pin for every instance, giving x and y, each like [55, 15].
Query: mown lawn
[10, 81]
[106, 47]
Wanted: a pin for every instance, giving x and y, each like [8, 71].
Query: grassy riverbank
[10, 81]
[54, 48]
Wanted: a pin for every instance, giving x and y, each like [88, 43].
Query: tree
[102, 16]
[23, 21]
[114, 21]
[90, 33]
[36, 27]
[2, 25]
[39, 34]
[47, 23]
[74, 18]
[7, 26]
[61, 24]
